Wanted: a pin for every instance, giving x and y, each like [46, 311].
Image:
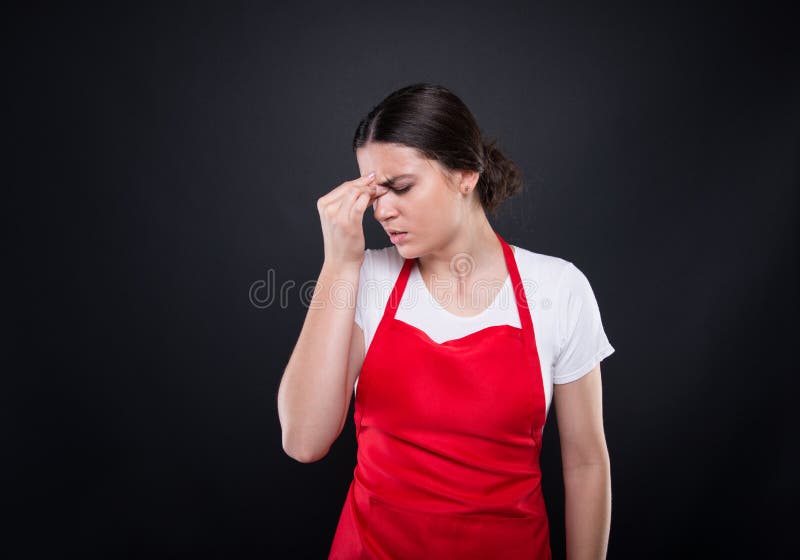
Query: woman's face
[422, 200]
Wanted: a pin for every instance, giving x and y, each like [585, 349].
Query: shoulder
[384, 262]
[384, 258]
[562, 271]
[560, 278]
[539, 266]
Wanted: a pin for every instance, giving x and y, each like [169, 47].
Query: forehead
[388, 157]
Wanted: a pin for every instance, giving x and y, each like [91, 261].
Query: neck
[472, 250]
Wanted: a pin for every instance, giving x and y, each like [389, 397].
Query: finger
[370, 192]
[337, 192]
[364, 179]
[335, 196]
[359, 206]
[346, 200]
[359, 182]
[381, 190]
[346, 197]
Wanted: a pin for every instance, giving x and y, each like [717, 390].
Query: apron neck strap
[516, 284]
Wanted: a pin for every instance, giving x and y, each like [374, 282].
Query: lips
[396, 236]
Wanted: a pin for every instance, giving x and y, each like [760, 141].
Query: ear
[469, 178]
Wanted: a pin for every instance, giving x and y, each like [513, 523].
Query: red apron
[448, 443]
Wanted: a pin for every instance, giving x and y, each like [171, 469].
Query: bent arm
[586, 466]
[317, 384]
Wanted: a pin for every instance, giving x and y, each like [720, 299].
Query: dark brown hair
[433, 120]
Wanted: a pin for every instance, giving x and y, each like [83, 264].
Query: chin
[404, 251]
[407, 252]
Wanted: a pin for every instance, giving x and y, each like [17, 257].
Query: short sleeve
[581, 341]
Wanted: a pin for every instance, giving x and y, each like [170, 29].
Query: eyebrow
[390, 181]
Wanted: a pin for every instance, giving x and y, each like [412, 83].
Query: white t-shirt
[570, 338]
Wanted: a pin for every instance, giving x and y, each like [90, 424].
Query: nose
[382, 207]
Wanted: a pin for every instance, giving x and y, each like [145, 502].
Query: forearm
[312, 393]
[588, 510]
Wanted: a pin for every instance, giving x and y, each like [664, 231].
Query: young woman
[455, 348]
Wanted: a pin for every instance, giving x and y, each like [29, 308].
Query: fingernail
[371, 174]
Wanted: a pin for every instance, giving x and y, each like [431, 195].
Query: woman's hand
[341, 213]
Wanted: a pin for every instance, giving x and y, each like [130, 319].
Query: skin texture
[443, 222]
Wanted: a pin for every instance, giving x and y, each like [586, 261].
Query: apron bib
[448, 437]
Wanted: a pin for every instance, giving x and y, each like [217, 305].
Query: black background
[163, 159]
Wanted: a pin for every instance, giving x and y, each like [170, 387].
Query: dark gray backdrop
[165, 159]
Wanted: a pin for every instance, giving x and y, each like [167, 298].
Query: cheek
[439, 216]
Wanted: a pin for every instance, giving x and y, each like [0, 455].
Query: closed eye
[402, 189]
